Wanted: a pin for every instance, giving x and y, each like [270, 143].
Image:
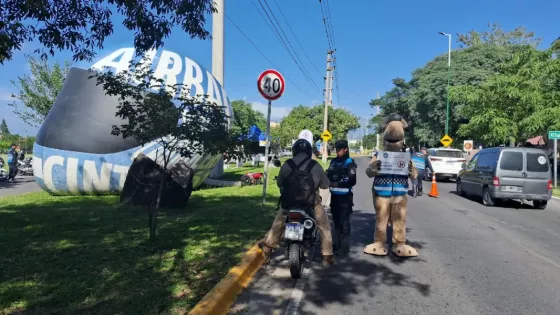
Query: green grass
[91, 255]
[556, 192]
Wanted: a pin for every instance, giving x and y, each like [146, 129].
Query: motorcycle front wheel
[295, 258]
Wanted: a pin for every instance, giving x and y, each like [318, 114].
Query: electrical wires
[264, 55]
[284, 40]
[327, 21]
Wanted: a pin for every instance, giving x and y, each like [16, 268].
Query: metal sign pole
[555, 163]
[267, 148]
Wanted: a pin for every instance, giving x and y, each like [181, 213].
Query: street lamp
[448, 79]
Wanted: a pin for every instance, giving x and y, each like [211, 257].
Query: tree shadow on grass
[90, 255]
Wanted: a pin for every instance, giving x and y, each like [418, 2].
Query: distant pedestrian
[12, 163]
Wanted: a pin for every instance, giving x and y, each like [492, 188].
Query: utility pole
[366, 132]
[218, 63]
[377, 131]
[328, 95]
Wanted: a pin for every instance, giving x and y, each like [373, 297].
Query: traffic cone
[434, 192]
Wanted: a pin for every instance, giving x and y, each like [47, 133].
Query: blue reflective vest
[419, 161]
[339, 173]
[12, 156]
[390, 185]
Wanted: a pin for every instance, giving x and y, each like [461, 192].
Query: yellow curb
[221, 297]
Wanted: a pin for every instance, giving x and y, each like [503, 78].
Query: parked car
[446, 163]
[498, 174]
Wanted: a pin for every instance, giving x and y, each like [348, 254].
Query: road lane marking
[297, 292]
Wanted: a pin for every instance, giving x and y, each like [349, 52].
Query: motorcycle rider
[12, 163]
[302, 155]
[342, 175]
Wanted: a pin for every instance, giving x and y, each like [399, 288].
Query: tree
[4, 131]
[555, 46]
[522, 101]
[38, 92]
[83, 26]
[422, 100]
[303, 117]
[167, 114]
[245, 116]
[369, 141]
[497, 36]
[471, 66]
[397, 100]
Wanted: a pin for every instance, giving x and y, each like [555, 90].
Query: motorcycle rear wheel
[295, 258]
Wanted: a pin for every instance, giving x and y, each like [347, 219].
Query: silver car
[498, 174]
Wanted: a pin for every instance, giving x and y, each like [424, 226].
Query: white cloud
[277, 113]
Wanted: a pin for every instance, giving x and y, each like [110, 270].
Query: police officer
[423, 163]
[342, 175]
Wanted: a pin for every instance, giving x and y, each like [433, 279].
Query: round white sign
[542, 160]
[307, 135]
[271, 84]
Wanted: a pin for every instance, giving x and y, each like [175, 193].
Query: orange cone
[434, 192]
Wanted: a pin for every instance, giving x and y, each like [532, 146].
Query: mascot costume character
[390, 204]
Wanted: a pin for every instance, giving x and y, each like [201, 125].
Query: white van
[446, 162]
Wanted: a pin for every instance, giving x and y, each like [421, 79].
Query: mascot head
[393, 132]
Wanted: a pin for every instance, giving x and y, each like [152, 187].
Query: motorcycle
[3, 173]
[25, 167]
[300, 233]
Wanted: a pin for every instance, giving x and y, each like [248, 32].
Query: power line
[300, 46]
[269, 25]
[294, 58]
[327, 21]
[288, 41]
[336, 78]
[323, 12]
[328, 9]
[256, 47]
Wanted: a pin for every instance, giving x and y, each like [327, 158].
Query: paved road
[22, 185]
[473, 260]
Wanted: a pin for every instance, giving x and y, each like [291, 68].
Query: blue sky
[376, 41]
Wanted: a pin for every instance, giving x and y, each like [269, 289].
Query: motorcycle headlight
[307, 224]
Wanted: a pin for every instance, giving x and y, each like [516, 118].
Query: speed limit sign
[271, 84]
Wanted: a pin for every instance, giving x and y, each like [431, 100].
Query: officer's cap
[341, 144]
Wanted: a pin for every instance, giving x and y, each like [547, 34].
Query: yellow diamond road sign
[326, 135]
[446, 141]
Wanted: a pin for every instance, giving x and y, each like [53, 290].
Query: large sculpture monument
[75, 152]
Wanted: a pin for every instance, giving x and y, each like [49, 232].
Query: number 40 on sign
[271, 84]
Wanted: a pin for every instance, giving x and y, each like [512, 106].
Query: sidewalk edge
[223, 295]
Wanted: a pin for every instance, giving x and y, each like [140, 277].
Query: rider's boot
[267, 251]
[345, 244]
[328, 260]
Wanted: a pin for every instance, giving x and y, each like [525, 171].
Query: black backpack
[298, 189]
